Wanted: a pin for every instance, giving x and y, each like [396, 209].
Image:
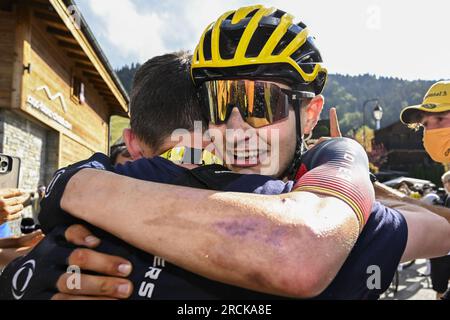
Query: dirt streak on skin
[247, 228]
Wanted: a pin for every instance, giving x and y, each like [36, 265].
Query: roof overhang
[74, 35]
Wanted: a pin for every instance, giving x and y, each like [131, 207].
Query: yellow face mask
[437, 144]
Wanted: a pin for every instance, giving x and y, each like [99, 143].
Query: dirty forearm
[229, 237]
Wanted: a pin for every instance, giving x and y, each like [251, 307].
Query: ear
[133, 144]
[312, 113]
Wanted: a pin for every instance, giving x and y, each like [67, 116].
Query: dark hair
[116, 150]
[164, 99]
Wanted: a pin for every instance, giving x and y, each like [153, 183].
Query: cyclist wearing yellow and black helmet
[264, 44]
[296, 244]
[264, 40]
[257, 72]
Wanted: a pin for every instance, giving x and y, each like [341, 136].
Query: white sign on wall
[53, 97]
[41, 107]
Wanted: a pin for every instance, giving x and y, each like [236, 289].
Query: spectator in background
[34, 201]
[429, 196]
[434, 116]
[440, 267]
[119, 153]
[445, 200]
[11, 206]
[404, 188]
[31, 224]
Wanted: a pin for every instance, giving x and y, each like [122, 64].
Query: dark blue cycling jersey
[379, 247]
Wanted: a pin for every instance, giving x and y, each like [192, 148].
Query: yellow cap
[436, 100]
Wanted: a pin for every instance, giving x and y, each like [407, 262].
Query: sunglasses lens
[260, 103]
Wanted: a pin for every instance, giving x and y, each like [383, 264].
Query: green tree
[366, 141]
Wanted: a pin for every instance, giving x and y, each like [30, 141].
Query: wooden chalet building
[57, 89]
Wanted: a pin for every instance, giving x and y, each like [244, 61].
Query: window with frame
[78, 90]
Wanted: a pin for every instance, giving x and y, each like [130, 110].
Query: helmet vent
[231, 16]
[248, 16]
[207, 46]
[284, 42]
[229, 40]
[307, 56]
[251, 14]
[278, 14]
[302, 25]
[258, 41]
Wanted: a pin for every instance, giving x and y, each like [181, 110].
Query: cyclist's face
[268, 150]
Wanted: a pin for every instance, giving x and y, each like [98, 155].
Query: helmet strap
[300, 147]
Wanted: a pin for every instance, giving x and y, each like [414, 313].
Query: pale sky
[400, 38]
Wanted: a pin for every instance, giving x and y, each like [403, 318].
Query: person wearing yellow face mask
[434, 115]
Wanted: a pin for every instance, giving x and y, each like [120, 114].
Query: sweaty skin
[210, 220]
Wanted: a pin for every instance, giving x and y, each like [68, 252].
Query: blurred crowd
[438, 268]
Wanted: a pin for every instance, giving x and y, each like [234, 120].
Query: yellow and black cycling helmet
[259, 43]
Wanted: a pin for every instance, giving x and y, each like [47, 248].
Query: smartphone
[9, 178]
[9, 171]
